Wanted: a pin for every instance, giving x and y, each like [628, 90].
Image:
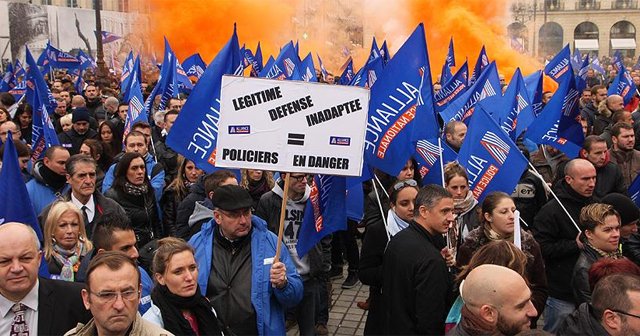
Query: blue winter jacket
[269, 303]
[157, 180]
[40, 192]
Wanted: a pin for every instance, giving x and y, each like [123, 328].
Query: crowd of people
[138, 240]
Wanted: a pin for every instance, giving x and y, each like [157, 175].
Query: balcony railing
[587, 5]
[624, 4]
[554, 5]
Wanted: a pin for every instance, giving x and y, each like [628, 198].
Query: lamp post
[101, 72]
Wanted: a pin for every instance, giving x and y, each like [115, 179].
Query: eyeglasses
[405, 183]
[624, 313]
[298, 178]
[237, 213]
[110, 297]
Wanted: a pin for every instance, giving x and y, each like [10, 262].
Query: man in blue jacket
[235, 255]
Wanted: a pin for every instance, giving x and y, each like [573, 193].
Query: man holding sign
[237, 272]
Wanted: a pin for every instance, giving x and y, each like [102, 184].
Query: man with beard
[608, 175]
[416, 284]
[94, 102]
[80, 131]
[614, 309]
[588, 113]
[623, 153]
[497, 301]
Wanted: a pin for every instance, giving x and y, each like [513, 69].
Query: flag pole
[441, 160]
[535, 172]
[384, 219]
[283, 210]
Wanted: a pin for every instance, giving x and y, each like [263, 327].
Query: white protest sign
[291, 126]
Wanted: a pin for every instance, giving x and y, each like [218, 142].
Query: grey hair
[429, 196]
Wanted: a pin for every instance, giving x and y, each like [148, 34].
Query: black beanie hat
[627, 209]
[80, 114]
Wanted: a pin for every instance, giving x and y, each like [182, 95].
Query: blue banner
[634, 191]
[453, 89]
[308, 70]
[195, 132]
[194, 65]
[285, 66]
[558, 125]
[623, 85]
[560, 66]
[493, 161]
[513, 111]
[481, 63]
[324, 213]
[428, 155]
[61, 60]
[384, 52]
[347, 74]
[323, 70]
[487, 85]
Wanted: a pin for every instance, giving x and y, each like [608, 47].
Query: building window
[586, 31]
[72, 3]
[550, 41]
[123, 5]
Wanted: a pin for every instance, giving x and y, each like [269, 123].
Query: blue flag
[403, 93]
[369, 73]
[79, 84]
[428, 155]
[513, 111]
[637, 65]
[136, 110]
[15, 204]
[384, 52]
[623, 85]
[267, 66]
[7, 78]
[195, 132]
[445, 75]
[581, 78]
[595, 65]
[533, 82]
[184, 83]
[308, 70]
[558, 125]
[451, 59]
[167, 86]
[43, 133]
[481, 63]
[452, 89]
[108, 37]
[355, 202]
[323, 70]
[127, 70]
[634, 191]
[617, 60]
[43, 61]
[560, 66]
[493, 161]
[194, 65]
[86, 61]
[576, 59]
[487, 85]
[59, 59]
[324, 213]
[285, 66]
[375, 51]
[347, 74]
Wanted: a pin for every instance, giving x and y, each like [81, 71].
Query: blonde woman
[65, 242]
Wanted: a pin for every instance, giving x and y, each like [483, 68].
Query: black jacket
[72, 141]
[529, 196]
[185, 208]
[556, 235]
[169, 159]
[609, 179]
[581, 322]
[60, 306]
[370, 273]
[631, 248]
[580, 278]
[589, 114]
[142, 210]
[416, 284]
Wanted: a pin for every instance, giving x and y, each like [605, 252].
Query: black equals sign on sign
[295, 139]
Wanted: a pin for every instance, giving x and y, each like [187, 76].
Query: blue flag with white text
[347, 74]
[581, 78]
[285, 66]
[59, 59]
[513, 114]
[108, 37]
[323, 70]
[560, 66]
[617, 60]
[194, 65]
[623, 85]
[86, 61]
[558, 124]
[5, 85]
[195, 132]
[481, 63]
[634, 191]
[596, 66]
[493, 161]
[453, 89]
[533, 82]
[308, 70]
[428, 154]
[324, 213]
[384, 52]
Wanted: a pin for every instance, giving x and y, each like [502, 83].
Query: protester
[600, 237]
[134, 192]
[454, 132]
[24, 158]
[465, 205]
[7, 126]
[4, 115]
[316, 262]
[614, 307]
[401, 197]
[259, 299]
[66, 123]
[177, 304]
[93, 148]
[112, 295]
[72, 140]
[558, 235]
[606, 109]
[176, 191]
[257, 183]
[598, 95]
[624, 153]
[30, 303]
[498, 214]
[109, 137]
[165, 154]
[629, 215]
[65, 240]
[49, 178]
[24, 118]
[606, 266]
[416, 285]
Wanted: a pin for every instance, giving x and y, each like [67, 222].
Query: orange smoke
[204, 26]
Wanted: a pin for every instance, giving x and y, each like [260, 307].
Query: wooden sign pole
[283, 210]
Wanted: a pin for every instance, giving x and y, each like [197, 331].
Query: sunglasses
[404, 184]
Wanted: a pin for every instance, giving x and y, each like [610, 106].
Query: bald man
[41, 306]
[498, 298]
[558, 237]
[606, 109]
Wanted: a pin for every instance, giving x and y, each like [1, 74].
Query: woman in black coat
[133, 191]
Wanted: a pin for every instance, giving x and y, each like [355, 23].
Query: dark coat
[370, 273]
[529, 196]
[580, 278]
[60, 306]
[581, 322]
[185, 208]
[556, 235]
[609, 179]
[143, 213]
[169, 159]
[535, 264]
[631, 248]
[416, 283]
[72, 141]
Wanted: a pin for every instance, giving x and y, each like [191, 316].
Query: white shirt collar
[30, 300]
[91, 205]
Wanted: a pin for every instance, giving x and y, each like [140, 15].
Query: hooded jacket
[40, 191]
[186, 207]
[318, 260]
[269, 303]
[581, 322]
[602, 118]
[556, 235]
